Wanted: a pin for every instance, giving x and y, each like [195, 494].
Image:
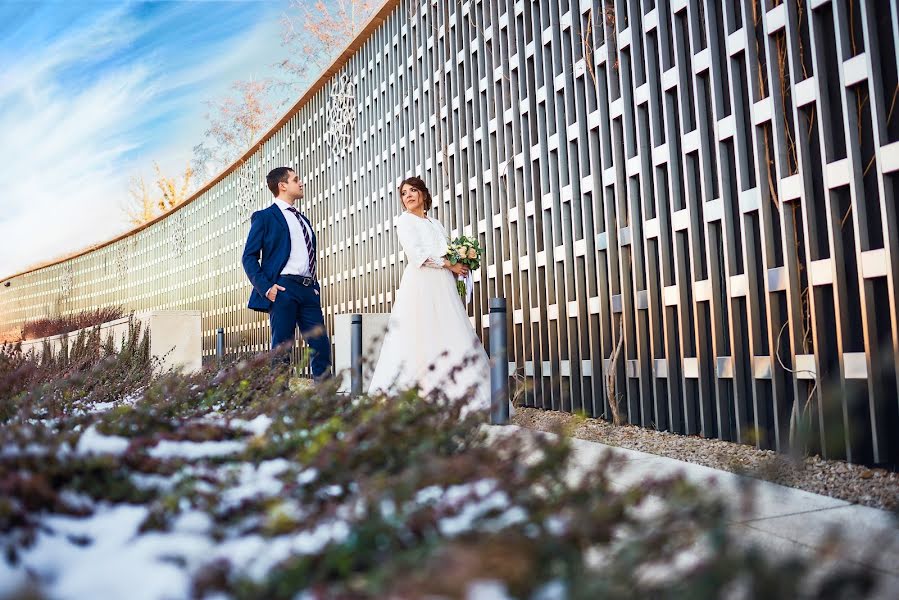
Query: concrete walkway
[780, 519]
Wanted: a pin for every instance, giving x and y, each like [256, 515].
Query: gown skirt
[430, 342]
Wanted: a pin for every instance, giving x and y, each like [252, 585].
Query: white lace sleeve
[433, 263]
[414, 245]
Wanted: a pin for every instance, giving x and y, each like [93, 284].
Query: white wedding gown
[430, 342]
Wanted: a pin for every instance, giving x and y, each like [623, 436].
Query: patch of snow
[512, 516]
[242, 552]
[256, 480]
[150, 481]
[484, 589]
[429, 495]
[87, 408]
[94, 442]
[257, 426]
[255, 555]
[388, 508]
[482, 487]
[204, 487]
[167, 483]
[331, 490]
[76, 500]
[98, 407]
[552, 590]
[195, 450]
[193, 522]
[556, 525]
[65, 450]
[477, 499]
[310, 542]
[307, 476]
[15, 451]
[355, 510]
[12, 580]
[115, 564]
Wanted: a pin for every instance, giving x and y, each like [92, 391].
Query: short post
[220, 345]
[499, 361]
[356, 355]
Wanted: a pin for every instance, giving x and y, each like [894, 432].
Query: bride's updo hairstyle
[419, 185]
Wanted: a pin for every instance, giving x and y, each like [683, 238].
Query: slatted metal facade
[712, 183]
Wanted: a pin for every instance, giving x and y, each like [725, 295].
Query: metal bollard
[220, 345]
[499, 360]
[356, 355]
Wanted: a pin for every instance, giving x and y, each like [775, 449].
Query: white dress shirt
[298, 262]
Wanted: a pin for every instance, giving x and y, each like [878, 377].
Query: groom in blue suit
[280, 261]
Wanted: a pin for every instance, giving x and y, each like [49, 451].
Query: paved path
[781, 519]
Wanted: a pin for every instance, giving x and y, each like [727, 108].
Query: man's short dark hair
[276, 176]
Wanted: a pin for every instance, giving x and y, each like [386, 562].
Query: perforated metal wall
[713, 183]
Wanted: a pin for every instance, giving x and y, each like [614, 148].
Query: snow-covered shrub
[234, 482]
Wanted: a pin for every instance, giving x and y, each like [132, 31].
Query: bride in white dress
[430, 343]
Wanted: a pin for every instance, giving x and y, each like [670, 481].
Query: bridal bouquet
[465, 250]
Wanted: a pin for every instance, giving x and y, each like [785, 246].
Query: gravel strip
[877, 488]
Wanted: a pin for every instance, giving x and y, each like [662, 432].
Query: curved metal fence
[690, 205]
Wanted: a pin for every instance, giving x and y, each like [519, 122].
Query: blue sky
[91, 93]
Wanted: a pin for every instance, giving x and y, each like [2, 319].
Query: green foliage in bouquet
[465, 251]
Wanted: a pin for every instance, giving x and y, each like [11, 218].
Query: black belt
[306, 281]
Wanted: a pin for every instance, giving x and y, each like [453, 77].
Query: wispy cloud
[93, 94]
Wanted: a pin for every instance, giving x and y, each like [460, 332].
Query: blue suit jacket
[266, 252]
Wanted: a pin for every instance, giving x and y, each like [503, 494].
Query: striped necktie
[309, 247]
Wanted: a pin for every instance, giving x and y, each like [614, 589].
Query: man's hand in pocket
[273, 292]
